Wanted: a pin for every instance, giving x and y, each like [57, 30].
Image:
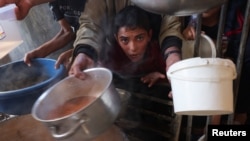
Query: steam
[108, 57]
[17, 76]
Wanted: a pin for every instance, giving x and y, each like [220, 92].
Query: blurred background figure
[233, 31]
[67, 13]
[209, 29]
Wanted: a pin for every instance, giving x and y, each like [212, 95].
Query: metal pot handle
[68, 133]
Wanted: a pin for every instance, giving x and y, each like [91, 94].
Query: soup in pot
[70, 106]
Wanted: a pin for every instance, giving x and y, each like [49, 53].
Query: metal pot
[178, 7]
[90, 120]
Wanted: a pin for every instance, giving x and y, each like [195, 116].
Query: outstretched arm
[63, 37]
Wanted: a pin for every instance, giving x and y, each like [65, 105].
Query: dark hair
[131, 17]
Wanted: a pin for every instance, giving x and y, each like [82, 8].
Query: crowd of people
[133, 42]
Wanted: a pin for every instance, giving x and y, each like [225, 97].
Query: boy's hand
[152, 78]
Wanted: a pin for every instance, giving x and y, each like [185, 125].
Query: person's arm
[23, 6]
[171, 39]
[91, 32]
[89, 36]
[63, 37]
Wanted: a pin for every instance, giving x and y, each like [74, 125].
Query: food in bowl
[22, 83]
[70, 106]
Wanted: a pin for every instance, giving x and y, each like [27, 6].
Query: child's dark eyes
[140, 37]
[124, 40]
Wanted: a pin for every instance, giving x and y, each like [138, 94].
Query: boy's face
[133, 42]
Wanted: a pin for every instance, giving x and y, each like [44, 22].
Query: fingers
[152, 78]
[64, 58]
[162, 76]
[192, 34]
[59, 61]
[189, 33]
[76, 72]
[31, 55]
[27, 60]
[57, 64]
[66, 64]
[170, 94]
[152, 82]
[81, 62]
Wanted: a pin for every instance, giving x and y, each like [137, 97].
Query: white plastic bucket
[206, 48]
[202, 86]
[10, 36]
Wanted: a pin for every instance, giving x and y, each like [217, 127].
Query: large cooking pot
[21, 85]
[178, 7]
[78, 110]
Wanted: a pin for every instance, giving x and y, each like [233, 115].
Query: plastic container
[207, 48]
[10, 36]
[202, 86]
[2, 33]
[21, 85]
[8, 12]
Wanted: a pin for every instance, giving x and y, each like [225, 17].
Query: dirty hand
[80, 63]
[64, 58]
[152, 78]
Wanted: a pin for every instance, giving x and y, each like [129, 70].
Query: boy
[134, 53]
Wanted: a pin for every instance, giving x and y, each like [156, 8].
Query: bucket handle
[70, 131]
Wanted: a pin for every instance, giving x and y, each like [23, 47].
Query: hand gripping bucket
[202, 86]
